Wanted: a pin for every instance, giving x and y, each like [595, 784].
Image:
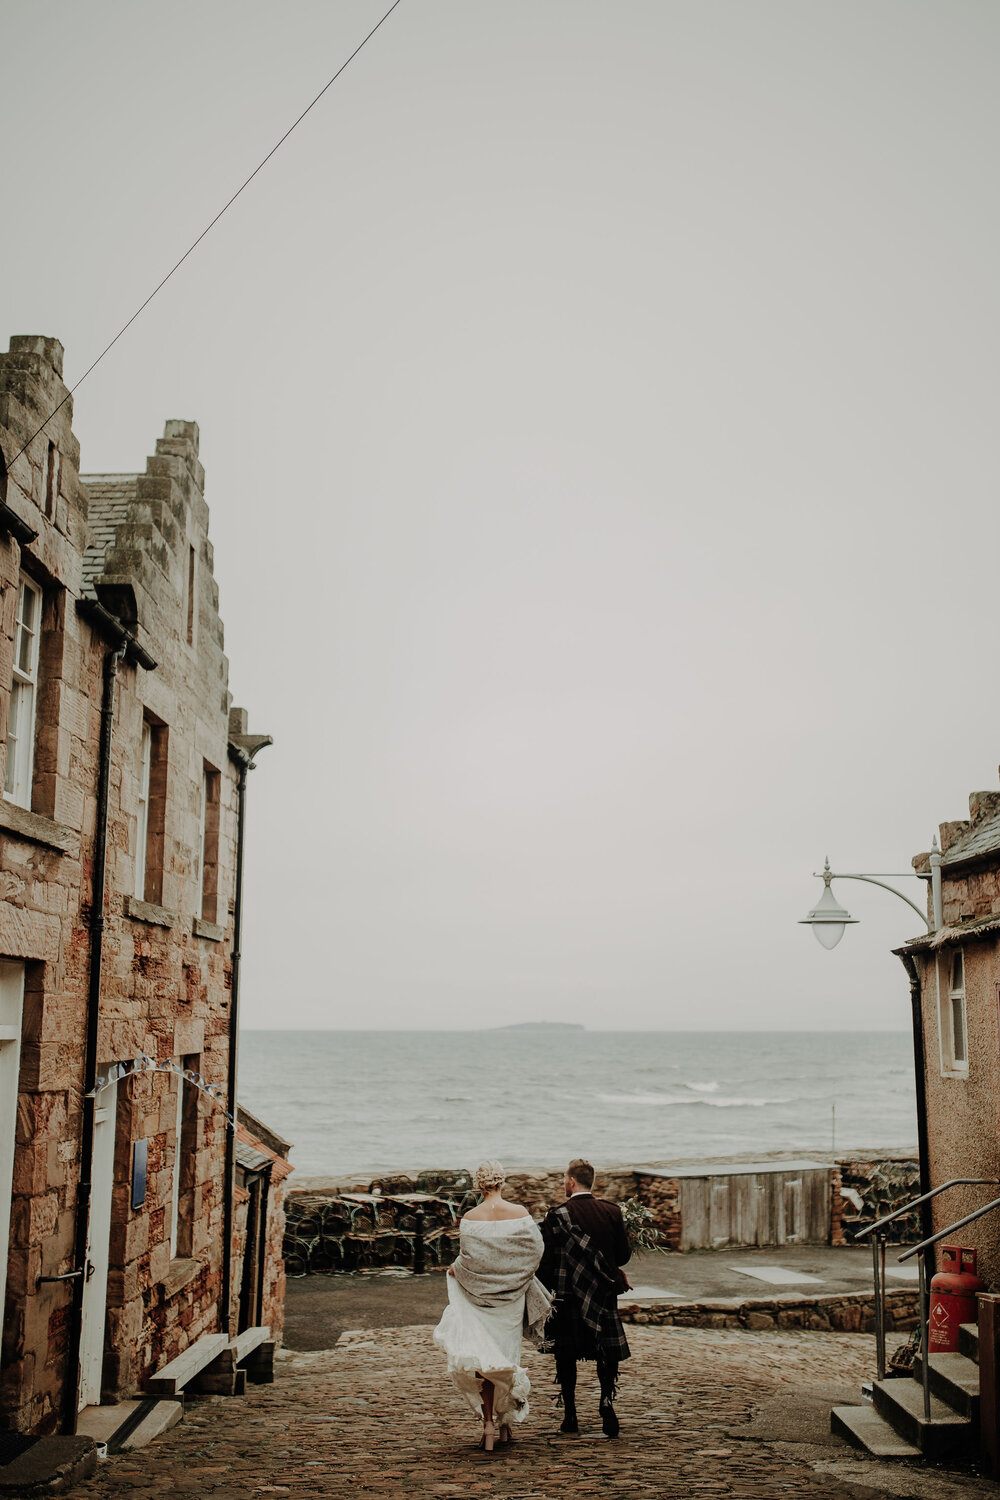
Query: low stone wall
[850, 1312]
[539, 1191]
[881, 1180]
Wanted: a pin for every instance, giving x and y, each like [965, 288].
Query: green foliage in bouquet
[643, 1236]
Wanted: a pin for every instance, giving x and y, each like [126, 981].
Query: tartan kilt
[566, 1332]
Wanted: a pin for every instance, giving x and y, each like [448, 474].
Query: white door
[11, 1003]
[95, 1286]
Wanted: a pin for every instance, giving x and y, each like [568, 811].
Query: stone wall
[137, 546]
[662, 1195]
[274, 1172]
[843, 1312]
[274, 1277]
[46, 864]
[539, 1191]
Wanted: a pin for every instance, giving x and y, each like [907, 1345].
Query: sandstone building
[957, 967]
[122, 766]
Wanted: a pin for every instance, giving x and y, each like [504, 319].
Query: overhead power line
[207, 230]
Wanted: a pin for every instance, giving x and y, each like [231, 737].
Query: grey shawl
[495, 1268]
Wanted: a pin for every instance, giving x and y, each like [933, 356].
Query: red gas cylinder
[953, 1298]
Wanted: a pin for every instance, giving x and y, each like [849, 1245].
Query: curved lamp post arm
[828, 918]
[829, 874]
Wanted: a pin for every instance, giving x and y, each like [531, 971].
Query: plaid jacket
[585, 1316]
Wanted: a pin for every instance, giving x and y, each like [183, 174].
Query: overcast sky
[599, 409]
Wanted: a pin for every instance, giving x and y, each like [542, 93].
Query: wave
[642, 1099]
[713, 1103]
[703, 1088]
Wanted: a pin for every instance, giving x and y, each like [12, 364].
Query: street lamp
[828, 918]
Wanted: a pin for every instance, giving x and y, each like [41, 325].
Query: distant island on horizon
[541, 1026]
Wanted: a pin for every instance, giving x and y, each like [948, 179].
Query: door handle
[90, 1270]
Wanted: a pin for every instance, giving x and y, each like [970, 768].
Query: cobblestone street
[703, 1412]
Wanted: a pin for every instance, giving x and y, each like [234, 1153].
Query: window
[208, 872]
[956, 1009]
[192, 606]
[151, 812]
[52, 482]
[24, 690]
[175, 1176]
[182, 1176]
[142, 815]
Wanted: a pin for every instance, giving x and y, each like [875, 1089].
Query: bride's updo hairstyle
[488, 1177]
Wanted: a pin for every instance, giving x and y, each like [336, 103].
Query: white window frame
[23, 698]
[175, 1181]
[11, 1008]
[142, 812]
[952, 1005]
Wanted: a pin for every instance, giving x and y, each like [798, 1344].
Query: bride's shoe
[489, 1434]
[506, 1436]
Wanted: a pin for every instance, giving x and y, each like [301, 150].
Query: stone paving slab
[376, 1417]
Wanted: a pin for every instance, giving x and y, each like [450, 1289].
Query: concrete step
[49, 1466]
[968, 1340]
[863, 1428]
[901, 1403]
[129, 1424]
[955, 1379]
[160, 1418]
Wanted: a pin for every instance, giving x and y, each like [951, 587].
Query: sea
[375, 1102]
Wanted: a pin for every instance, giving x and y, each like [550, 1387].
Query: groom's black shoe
[609, 1418]
[569, 1422]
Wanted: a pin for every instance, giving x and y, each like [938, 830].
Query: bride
[492, 1297]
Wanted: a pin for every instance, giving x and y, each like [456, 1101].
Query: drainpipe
[923, 1150]
[97, 899]
[124, 646]
[242, 750]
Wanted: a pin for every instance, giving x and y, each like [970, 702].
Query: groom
[585, 1244]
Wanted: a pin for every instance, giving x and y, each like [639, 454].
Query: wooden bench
[218, 1366]
[172, 1379]
[249, 1356]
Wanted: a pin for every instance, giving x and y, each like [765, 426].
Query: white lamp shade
[828, 919]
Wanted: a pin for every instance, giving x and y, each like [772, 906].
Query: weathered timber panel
[755, 1208]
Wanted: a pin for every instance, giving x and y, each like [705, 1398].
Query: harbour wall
[345, 1224]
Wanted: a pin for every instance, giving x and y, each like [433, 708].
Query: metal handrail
[925, 1250]
[943, 1234]
[878, 1267]
[925, 1198]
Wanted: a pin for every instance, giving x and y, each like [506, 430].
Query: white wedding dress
[484, 1343]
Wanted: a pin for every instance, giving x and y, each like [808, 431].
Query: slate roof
[983, 839]
[252, 1154]
[110, 496]
[955, 932]
[249, 1159]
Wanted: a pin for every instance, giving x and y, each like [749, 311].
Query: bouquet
[640, 1230]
